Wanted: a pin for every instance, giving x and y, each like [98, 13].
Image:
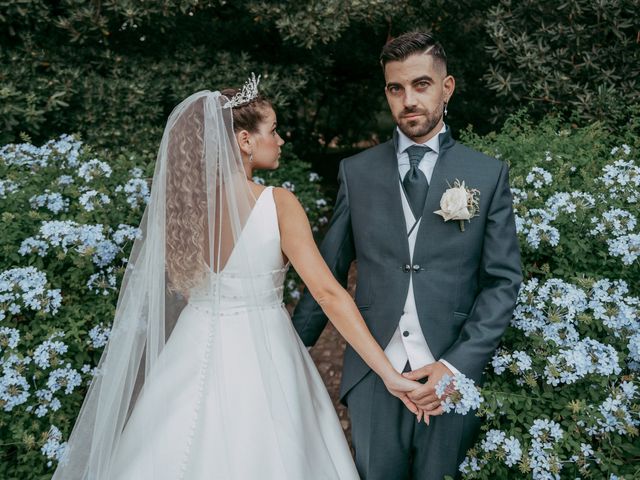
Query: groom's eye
[393, 89]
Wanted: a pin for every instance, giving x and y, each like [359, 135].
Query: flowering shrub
[561, 395]
[69, 218]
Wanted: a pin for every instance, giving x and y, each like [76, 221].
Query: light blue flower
[539, 177]
[26, 288]
[99, 335]
[7, 187]
[9, 338]
[49, 349]
[625, 246]
[14, 388]
[91, 199]
[55, 202]
[125, 233]
[465, 396]
[93, 169]
[64, 180]
[622, 179]
[542, 457]
[470, 465]
[66, 378]
[137, 189]
[53, 448]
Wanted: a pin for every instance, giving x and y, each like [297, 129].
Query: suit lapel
[388, 173]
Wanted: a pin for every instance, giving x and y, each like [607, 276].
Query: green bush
[577, 57]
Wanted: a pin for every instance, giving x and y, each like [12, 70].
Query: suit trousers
[390, 444]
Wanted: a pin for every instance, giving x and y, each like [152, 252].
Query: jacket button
[405, 333]
[416, 268]
[407, 268]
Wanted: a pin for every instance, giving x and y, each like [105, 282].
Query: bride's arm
[299, 246]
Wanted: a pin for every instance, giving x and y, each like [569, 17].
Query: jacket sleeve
[337, 250]
[500, 277]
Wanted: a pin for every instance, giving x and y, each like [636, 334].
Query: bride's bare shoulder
[285, 198]
[288, 205]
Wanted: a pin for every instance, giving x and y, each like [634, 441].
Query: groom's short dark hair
[410, 43]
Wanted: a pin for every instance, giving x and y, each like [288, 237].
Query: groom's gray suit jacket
[465, 283]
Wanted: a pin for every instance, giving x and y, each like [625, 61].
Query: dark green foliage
[579, 57]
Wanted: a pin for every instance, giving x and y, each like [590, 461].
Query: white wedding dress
[231, 399]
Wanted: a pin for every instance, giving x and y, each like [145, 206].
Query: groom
[437, 295]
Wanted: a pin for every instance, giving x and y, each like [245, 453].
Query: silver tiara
[247, 94]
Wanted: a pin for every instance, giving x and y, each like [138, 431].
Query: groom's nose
[410, 99]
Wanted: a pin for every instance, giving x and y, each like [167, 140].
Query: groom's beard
[420, 126]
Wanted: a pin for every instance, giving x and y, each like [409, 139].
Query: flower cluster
[459, 394]
[49, 351]
[14, 388]
[26, 289]
[617, 227]
[625, 246]
[93, 169]
[99, 335]
[539, 177]
[518, 362]
[92, 199]
[495, 445]
[550, 310]
[102, 282]
[85, 239]
[136, 189]
[622, 177]
[586, 357]
[617, 413]
[536, 227]
[7, 187]
[539, 220]
[9, 338]
[53, 448]
[55, 202]
[610, 303]
[62, 152]
[543, 460]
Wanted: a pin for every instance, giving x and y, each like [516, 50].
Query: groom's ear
[448, 85]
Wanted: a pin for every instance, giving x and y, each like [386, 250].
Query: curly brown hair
[187, 239]
[186, 202]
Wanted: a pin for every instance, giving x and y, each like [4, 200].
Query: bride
[204, 376]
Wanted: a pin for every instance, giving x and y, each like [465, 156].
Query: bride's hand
[399, 386]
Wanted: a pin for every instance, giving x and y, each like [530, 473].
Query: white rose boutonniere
[459, 203]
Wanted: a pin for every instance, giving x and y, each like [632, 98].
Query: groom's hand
[425, 396]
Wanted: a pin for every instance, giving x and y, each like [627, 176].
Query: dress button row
[407, 268]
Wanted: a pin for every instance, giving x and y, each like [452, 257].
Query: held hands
[399, 387]
[424, 397]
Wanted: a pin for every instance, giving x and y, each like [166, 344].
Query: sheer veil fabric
[191, 252]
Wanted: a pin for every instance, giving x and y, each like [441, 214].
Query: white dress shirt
[408, 342]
